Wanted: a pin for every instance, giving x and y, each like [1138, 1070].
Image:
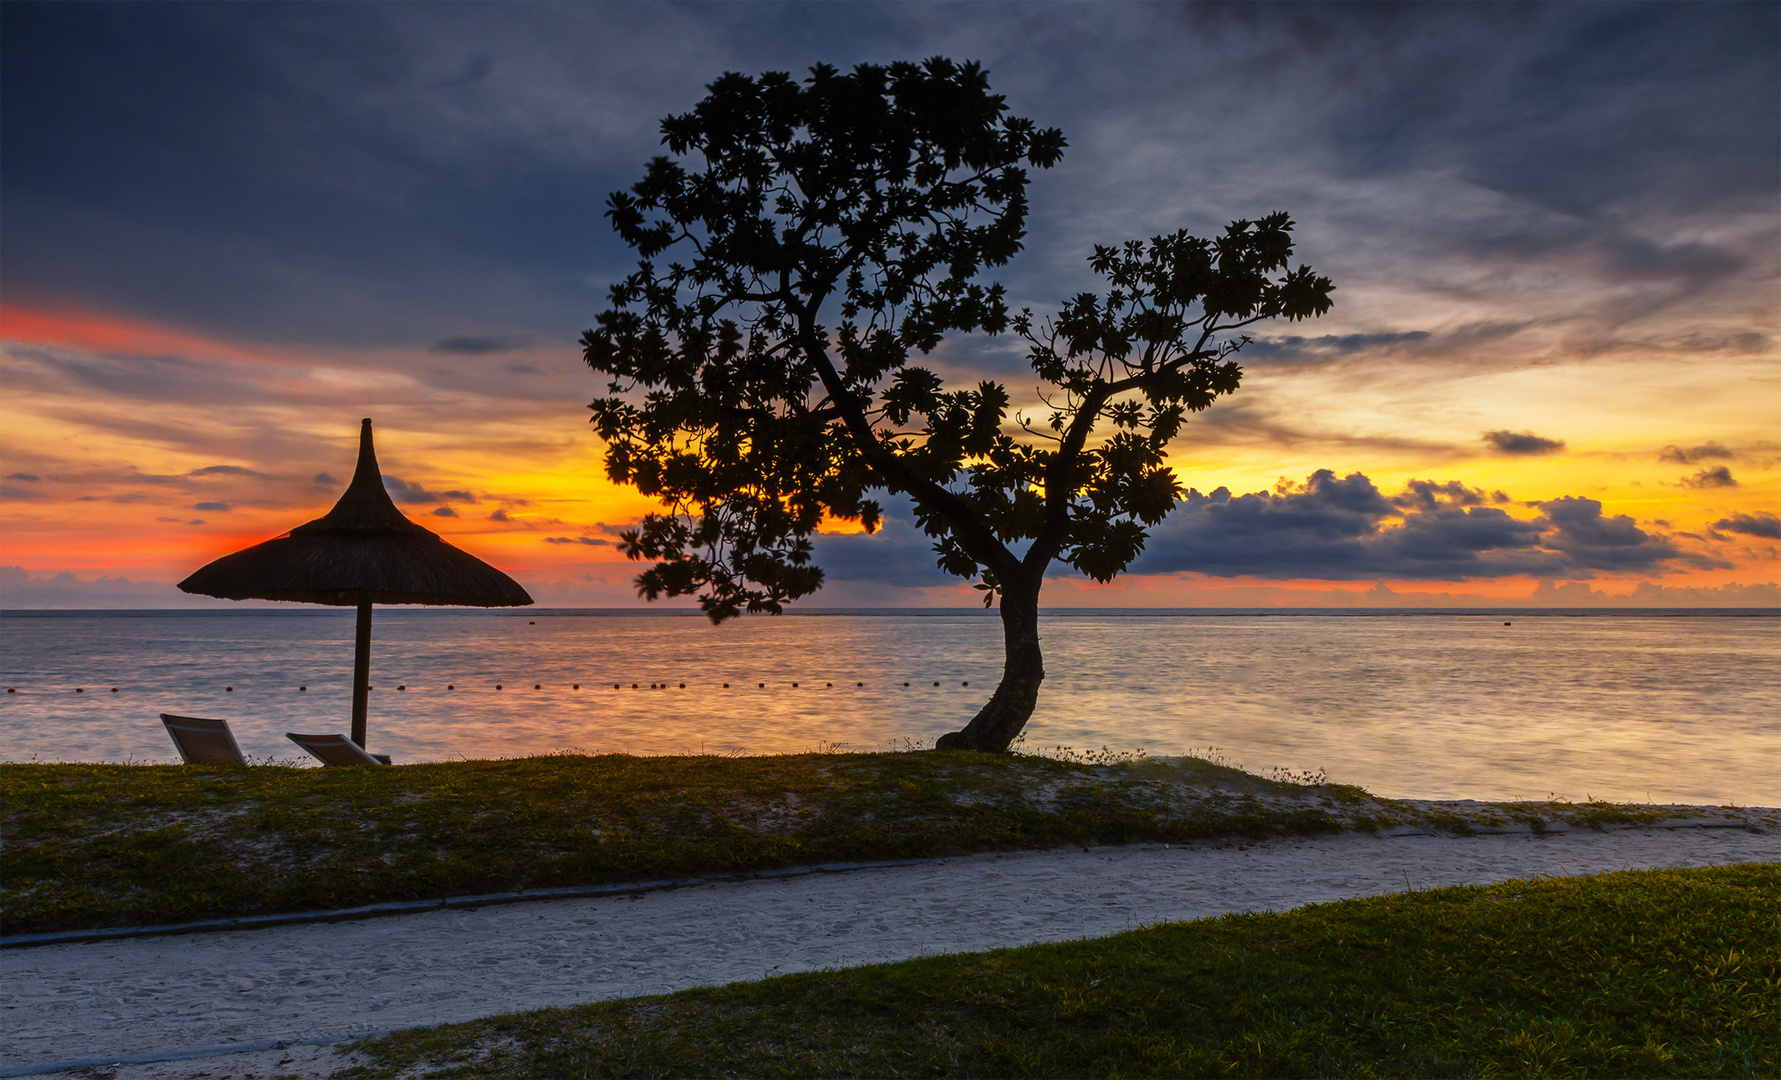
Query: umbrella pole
[361, 673]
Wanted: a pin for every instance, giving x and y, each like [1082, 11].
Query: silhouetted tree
[803, 241]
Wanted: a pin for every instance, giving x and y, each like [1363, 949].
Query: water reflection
[1440, 706]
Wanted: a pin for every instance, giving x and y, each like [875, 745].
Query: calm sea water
[1660, 707]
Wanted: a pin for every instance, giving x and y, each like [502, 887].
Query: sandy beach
[274, 1001]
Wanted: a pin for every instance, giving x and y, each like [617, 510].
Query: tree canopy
[803, 243]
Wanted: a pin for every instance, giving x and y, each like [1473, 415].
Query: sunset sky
[1551, 376]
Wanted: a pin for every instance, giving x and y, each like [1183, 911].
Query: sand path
[209, 994]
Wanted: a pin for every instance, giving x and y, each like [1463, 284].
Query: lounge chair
[337, 750]
[203, 742]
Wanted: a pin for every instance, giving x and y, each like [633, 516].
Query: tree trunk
[1008, 709]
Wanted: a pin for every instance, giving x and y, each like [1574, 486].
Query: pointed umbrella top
[366, 506]
[363, 550]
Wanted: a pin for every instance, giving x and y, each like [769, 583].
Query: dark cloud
[1637, 259]
[591, 541]
[1690, 455]
[1428, 496]
[1766, 526]
[1297, 349]
[1344, 528]
[1577, 528]
[29, 477]
[311, 152]
[500, 515]
[228, 470]
[9, 492]
[213, 507]
[1537, 102]
[899, 553]
[414, 495]
[325, 480]
[403, 492]
[445, 511]
[254, 167]
[1521, 443]
[1717, 477]
[480, 346]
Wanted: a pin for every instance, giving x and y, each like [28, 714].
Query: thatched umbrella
[363, 552]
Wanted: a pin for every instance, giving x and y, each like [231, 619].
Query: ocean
[1628, 706]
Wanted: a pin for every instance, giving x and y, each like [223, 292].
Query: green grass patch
[88, 846]
[1643, 973]
[102, 845]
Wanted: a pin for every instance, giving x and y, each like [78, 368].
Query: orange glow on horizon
[114, 485]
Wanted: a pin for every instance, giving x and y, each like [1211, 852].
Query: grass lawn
[86, 846]
[1643, 973]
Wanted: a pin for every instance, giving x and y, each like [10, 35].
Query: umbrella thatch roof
[364, 550]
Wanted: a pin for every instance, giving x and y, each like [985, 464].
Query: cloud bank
[1345, 529]
[1332, 528]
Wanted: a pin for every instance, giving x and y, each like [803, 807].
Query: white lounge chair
[337, 750]
[203, 742]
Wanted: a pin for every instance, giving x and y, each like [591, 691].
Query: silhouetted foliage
[882, 195]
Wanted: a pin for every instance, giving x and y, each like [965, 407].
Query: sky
[1551, 376]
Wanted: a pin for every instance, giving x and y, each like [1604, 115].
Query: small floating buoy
[964, 684]
[615, 686]
[537, 686]
[633, 686]
[230, 689]
[404, 686]
[497, 686]
[449, 686]
[114, 689]
[859, 684]
[530, 623]
[80, 689]
[726, 686]
[302, 688]
[905, 684]
[12, 690]
[1505, 624]
[763, 686]
[794, 685]
[828, 684]
[578, 686]
[683, 686]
